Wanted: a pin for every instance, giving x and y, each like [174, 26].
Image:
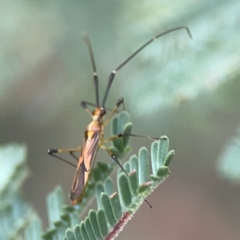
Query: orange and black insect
[94, 133]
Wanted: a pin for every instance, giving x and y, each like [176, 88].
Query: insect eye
[103, 111]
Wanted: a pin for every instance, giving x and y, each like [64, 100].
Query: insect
[94, 133]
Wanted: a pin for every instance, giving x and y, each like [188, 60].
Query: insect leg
[84, 105]
[132, 135]
[114, 158]
[118, 104]
[53, 152]
[120, 165]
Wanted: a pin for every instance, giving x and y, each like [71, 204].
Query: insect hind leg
[114, 158]
[120, 165]
[53, 152]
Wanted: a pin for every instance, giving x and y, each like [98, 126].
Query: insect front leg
[84, 105]
[115, 109]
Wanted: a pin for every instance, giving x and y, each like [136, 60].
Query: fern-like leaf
[116, 208]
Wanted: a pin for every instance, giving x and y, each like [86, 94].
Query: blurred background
[185, 89]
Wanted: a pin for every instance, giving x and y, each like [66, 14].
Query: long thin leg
[114, 158]
[113, 73]
[84, 105]
[132, 135]
[95, 76]
[52, 152]
[120, 165]
[119, 103]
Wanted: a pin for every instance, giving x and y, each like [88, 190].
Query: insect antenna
[95, 76]
[113, 73]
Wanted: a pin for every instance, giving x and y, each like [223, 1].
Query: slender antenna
[113, 73]
[95, 76]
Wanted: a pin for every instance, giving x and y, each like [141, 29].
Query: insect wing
[84, 168]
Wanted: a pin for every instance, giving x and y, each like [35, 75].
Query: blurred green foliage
[116, 206]
[186, 89]
[15, 213]
[229, 160]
